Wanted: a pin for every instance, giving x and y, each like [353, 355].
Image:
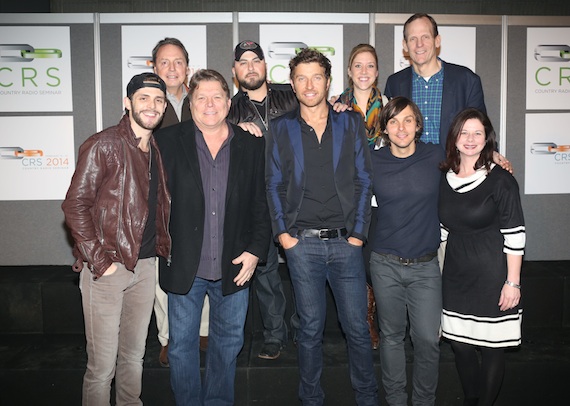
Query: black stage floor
[47, 369]
[42, 360]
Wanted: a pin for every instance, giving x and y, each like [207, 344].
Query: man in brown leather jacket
[117, 209]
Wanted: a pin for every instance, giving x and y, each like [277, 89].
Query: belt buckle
[405, 261]
[324, 234]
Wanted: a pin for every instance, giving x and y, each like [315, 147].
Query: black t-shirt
[321, 206]
[148, 246]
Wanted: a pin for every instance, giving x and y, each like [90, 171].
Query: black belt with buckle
[411, 261]
[323, 233]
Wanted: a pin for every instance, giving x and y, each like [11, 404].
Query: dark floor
[46, 368]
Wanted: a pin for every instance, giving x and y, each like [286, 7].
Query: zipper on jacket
[101, 222]
[121, 205]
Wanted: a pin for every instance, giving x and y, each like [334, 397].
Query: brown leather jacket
[106, 207]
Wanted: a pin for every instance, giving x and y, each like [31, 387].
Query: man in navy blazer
[318, 176]
[220, 228]
[440, 89]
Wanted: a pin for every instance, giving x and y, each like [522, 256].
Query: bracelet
[514, 285]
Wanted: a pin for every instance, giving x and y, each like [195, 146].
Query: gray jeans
[117, 310]
[408, 291]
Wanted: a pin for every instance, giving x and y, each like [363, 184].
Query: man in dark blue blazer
[220, 228]
[318, 176]
[440, 89]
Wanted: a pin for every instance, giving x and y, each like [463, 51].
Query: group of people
[211, 184]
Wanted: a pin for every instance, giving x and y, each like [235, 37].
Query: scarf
[373, 108]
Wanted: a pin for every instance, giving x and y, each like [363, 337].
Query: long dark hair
[452, 156]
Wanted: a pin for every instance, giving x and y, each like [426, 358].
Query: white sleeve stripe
[444, 232]
[507, 250]
[513, 230]
[515, 243]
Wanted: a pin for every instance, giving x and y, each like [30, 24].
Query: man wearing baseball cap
[253, 107]
[117, 209]
[257, 101]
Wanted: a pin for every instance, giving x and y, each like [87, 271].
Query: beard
[252, 84]
[146, 125]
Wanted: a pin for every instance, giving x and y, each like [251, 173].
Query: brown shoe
[204, 343]
[374, 337]
[163, 357]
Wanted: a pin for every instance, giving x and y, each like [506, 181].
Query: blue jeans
[312, 263]
[227, 320]
[402, 292]
[269, 290]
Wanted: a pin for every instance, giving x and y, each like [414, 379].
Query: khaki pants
[117, 310]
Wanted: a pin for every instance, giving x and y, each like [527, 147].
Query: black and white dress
[482, 220]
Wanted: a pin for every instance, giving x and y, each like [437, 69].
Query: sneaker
[270, 351]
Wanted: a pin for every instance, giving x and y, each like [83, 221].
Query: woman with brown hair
[482, 220]
[364, 97]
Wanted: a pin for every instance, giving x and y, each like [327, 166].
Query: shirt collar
[173, 99]
[437, 75]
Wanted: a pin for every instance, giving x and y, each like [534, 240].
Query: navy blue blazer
[246, 221]
[285, 176]
[461, 89]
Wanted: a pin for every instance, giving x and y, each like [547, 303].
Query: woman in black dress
[482, 220]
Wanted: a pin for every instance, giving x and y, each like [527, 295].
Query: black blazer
[247, 225]
[285, 171]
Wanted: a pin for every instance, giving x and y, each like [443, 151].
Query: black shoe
[294, 335]
[270, 351]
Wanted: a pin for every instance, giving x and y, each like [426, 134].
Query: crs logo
[288, 50]
[17, 53]
[26, 53]
[18, 152]
[555, 54]
[34, 158]
[279, 73]
[552, 53]
[28, 157]
[561, 152]
[140, 62]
